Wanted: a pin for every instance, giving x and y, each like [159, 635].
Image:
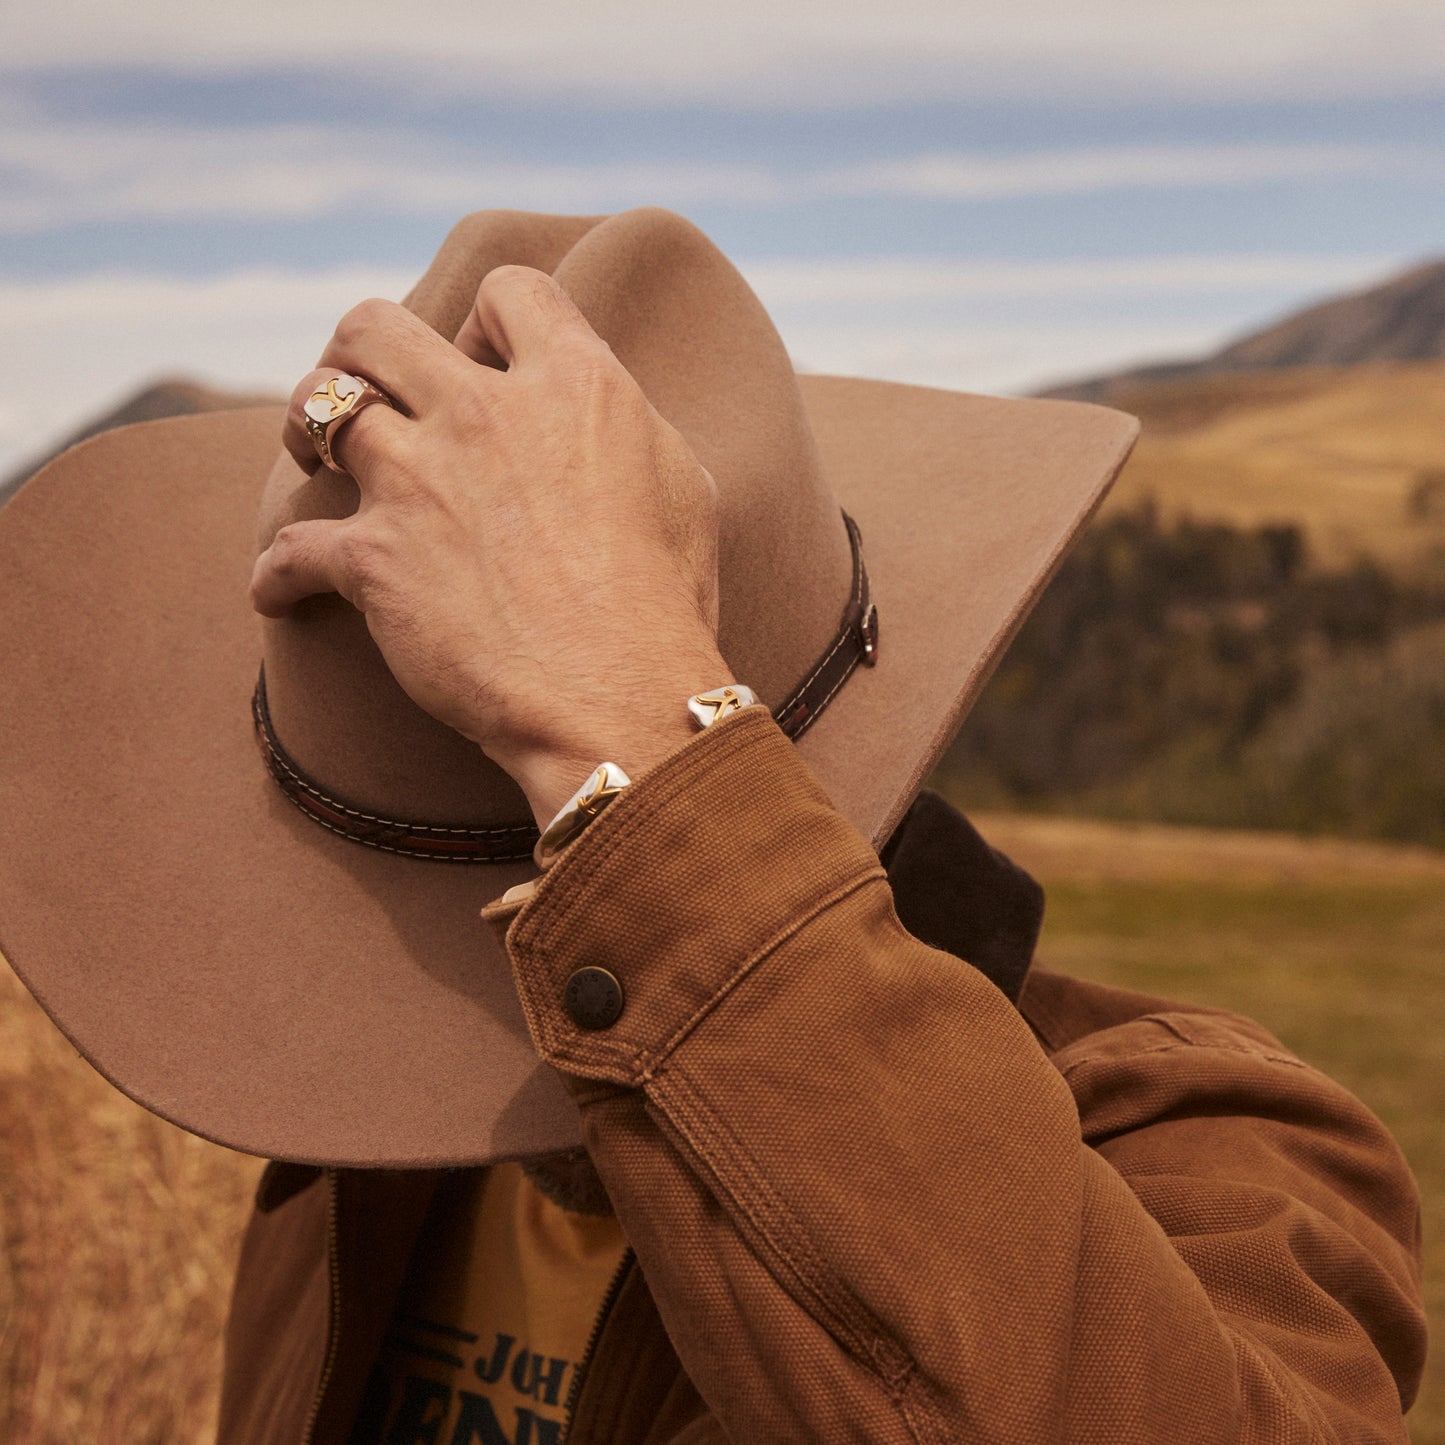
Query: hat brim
[240, 971]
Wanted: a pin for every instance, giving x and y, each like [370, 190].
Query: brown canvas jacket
[871, 1199]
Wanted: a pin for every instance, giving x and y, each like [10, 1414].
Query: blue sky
[932, 192]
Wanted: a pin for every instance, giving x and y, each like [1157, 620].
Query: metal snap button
[593, 998]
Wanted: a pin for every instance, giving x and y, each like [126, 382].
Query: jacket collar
[954, 892]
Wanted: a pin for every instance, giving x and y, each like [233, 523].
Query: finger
[398, 352]
[520, 313]
[473, 343]
[303, 560]
[355, 443]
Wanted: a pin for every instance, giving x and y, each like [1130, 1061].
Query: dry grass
[1337, 451]
[118, 1236]
[119, 1232]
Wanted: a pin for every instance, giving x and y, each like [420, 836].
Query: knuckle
[508, 277]
[514, 285]
[494, 287]
[541, 288]
[286, 547]
[365, 318]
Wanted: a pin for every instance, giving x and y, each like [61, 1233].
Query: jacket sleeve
[870, 1208]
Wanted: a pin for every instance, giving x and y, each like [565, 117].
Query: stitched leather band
[505, 844]
[855, 642]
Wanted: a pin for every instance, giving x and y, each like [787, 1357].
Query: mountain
[1401, 320]
[173, 396]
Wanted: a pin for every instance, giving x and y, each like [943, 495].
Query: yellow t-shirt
[499, 1304]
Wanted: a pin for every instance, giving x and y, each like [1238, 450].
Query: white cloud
[829, 282]
[76, 347]
[68, 174]
[761, 52]
[999, 359]
[1080, 172]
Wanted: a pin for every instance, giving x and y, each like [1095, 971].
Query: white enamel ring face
[338, 397]
[331, 407]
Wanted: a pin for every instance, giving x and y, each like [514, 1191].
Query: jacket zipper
[333, 1327]
[579, 1376]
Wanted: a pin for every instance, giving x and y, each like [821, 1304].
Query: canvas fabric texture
[871, 1198]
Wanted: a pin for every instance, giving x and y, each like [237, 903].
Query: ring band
[333, 406]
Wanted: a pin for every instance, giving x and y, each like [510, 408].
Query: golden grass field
[118, 1237]
[119, 1232]
[1338, 451]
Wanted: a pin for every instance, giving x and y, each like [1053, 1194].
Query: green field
[1337, 948]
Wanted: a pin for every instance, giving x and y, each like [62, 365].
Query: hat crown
[686, 325]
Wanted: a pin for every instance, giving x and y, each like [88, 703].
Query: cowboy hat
[235, 960]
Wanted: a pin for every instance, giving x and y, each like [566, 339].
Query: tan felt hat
[236, 966]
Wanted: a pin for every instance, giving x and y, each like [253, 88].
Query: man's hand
[535, 548]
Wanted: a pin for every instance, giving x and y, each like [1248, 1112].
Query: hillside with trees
[1198, 672]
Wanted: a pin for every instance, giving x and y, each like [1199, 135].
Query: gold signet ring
[332, 407]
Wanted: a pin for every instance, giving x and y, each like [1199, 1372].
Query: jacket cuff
[678, 891]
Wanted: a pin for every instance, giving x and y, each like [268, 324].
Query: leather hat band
[505, 844]
[855, 642]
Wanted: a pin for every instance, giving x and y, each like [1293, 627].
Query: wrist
[636, 734]
[549, 777]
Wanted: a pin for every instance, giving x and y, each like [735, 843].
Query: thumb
[304, 559]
